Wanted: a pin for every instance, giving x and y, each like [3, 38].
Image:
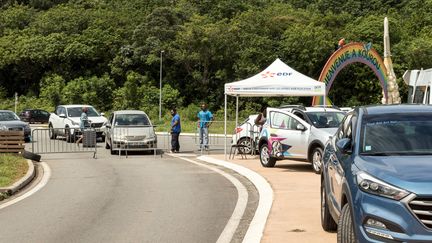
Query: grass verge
[12, 168]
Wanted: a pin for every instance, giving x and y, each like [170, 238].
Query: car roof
[6, 111]
[397, 108]
[325, 109]
[129, 112]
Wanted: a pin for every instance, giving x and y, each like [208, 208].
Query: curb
[257, 225]
[21, 182]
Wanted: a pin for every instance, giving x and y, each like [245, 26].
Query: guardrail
[44, 142]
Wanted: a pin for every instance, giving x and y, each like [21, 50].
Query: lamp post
[160, 87]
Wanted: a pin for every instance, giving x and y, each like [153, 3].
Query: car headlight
[372, 185]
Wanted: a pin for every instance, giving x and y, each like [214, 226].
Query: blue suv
[376, 182]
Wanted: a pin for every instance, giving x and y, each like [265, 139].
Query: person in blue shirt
[205, 117]
[175, 131]
[84, 123]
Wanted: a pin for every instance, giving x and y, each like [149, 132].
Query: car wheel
[52, 133]
[345, 232]
[265, 158]
[317, 159]
[247, 143]
[327, 221]
[68, 135]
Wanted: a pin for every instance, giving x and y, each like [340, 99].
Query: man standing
[205, 118]
[175, 131]
[84, 123]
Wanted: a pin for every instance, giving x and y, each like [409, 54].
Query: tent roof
[278, 79]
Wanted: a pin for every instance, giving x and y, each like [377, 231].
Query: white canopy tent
[278, 79]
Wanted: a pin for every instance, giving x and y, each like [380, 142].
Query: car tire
[345, 232]
[51, 131]
[316, 158]
[246, 142]
[68, 135]
[111, 149]
[327, 221]
[265, 157]
[31, 156]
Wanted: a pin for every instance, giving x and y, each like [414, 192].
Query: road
[141, 198]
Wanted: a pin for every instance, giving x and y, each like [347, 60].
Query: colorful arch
[351, 53]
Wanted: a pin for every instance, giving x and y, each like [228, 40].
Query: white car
[130, 130]
[246, 134]
[65, 121]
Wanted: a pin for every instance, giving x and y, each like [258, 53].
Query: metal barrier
[127, 139]
[54, 140]
[215, 134]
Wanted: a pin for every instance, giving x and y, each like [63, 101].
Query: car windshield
[397, 134]
[8, 116]
[325, 119]
[131, 120]
[77, 111]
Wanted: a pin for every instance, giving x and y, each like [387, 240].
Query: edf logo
[269, 74]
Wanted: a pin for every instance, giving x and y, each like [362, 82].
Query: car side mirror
[301, 127]
[344, 145]
[62, 115]
[102, 114]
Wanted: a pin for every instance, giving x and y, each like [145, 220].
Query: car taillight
[239, 129]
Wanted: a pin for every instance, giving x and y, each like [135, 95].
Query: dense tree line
[108, 52]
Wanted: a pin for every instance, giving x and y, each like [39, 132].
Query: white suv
[65, 121]
[297, 133]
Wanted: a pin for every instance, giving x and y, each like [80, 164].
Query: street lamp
[160, 87]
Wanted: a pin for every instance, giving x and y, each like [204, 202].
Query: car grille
[15, 129]
[422, 208]
[96, 125]
[135, 138]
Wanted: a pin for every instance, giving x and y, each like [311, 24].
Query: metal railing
[127, 139]
[60, 140]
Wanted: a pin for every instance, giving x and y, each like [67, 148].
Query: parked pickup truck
[65, 121]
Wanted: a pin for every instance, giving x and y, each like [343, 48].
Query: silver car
[297, 133]
[9, 121]
[130, 130]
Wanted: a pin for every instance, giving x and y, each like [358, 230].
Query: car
[297, 133]
[130, 130]
[376, 183]
[246, 134]
[65, 121]
[9, 121]
[34, 115]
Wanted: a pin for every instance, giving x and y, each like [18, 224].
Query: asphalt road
[141, 198]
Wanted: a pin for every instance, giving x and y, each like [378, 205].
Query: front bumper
[134, 145]
[402, 225]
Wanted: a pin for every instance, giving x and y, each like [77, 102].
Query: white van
[419, 83]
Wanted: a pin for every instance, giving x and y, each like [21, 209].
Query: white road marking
[257, 225]
[234, 221]
[40, 185]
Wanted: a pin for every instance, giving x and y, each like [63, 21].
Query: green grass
[12, 168]
[216, 127]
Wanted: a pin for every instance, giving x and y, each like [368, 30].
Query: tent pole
[225, 128]
[237, 99]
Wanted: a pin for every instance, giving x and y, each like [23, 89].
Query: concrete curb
[21, 182]
[256, 228]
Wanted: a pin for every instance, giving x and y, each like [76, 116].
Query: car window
[325, 119]
[283, 121]
[345, 130]
[131, 120]
[8, 116]
[408, 134]
[77, 111]
[111, 119]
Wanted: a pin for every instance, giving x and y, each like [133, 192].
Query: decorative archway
[352, 53]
